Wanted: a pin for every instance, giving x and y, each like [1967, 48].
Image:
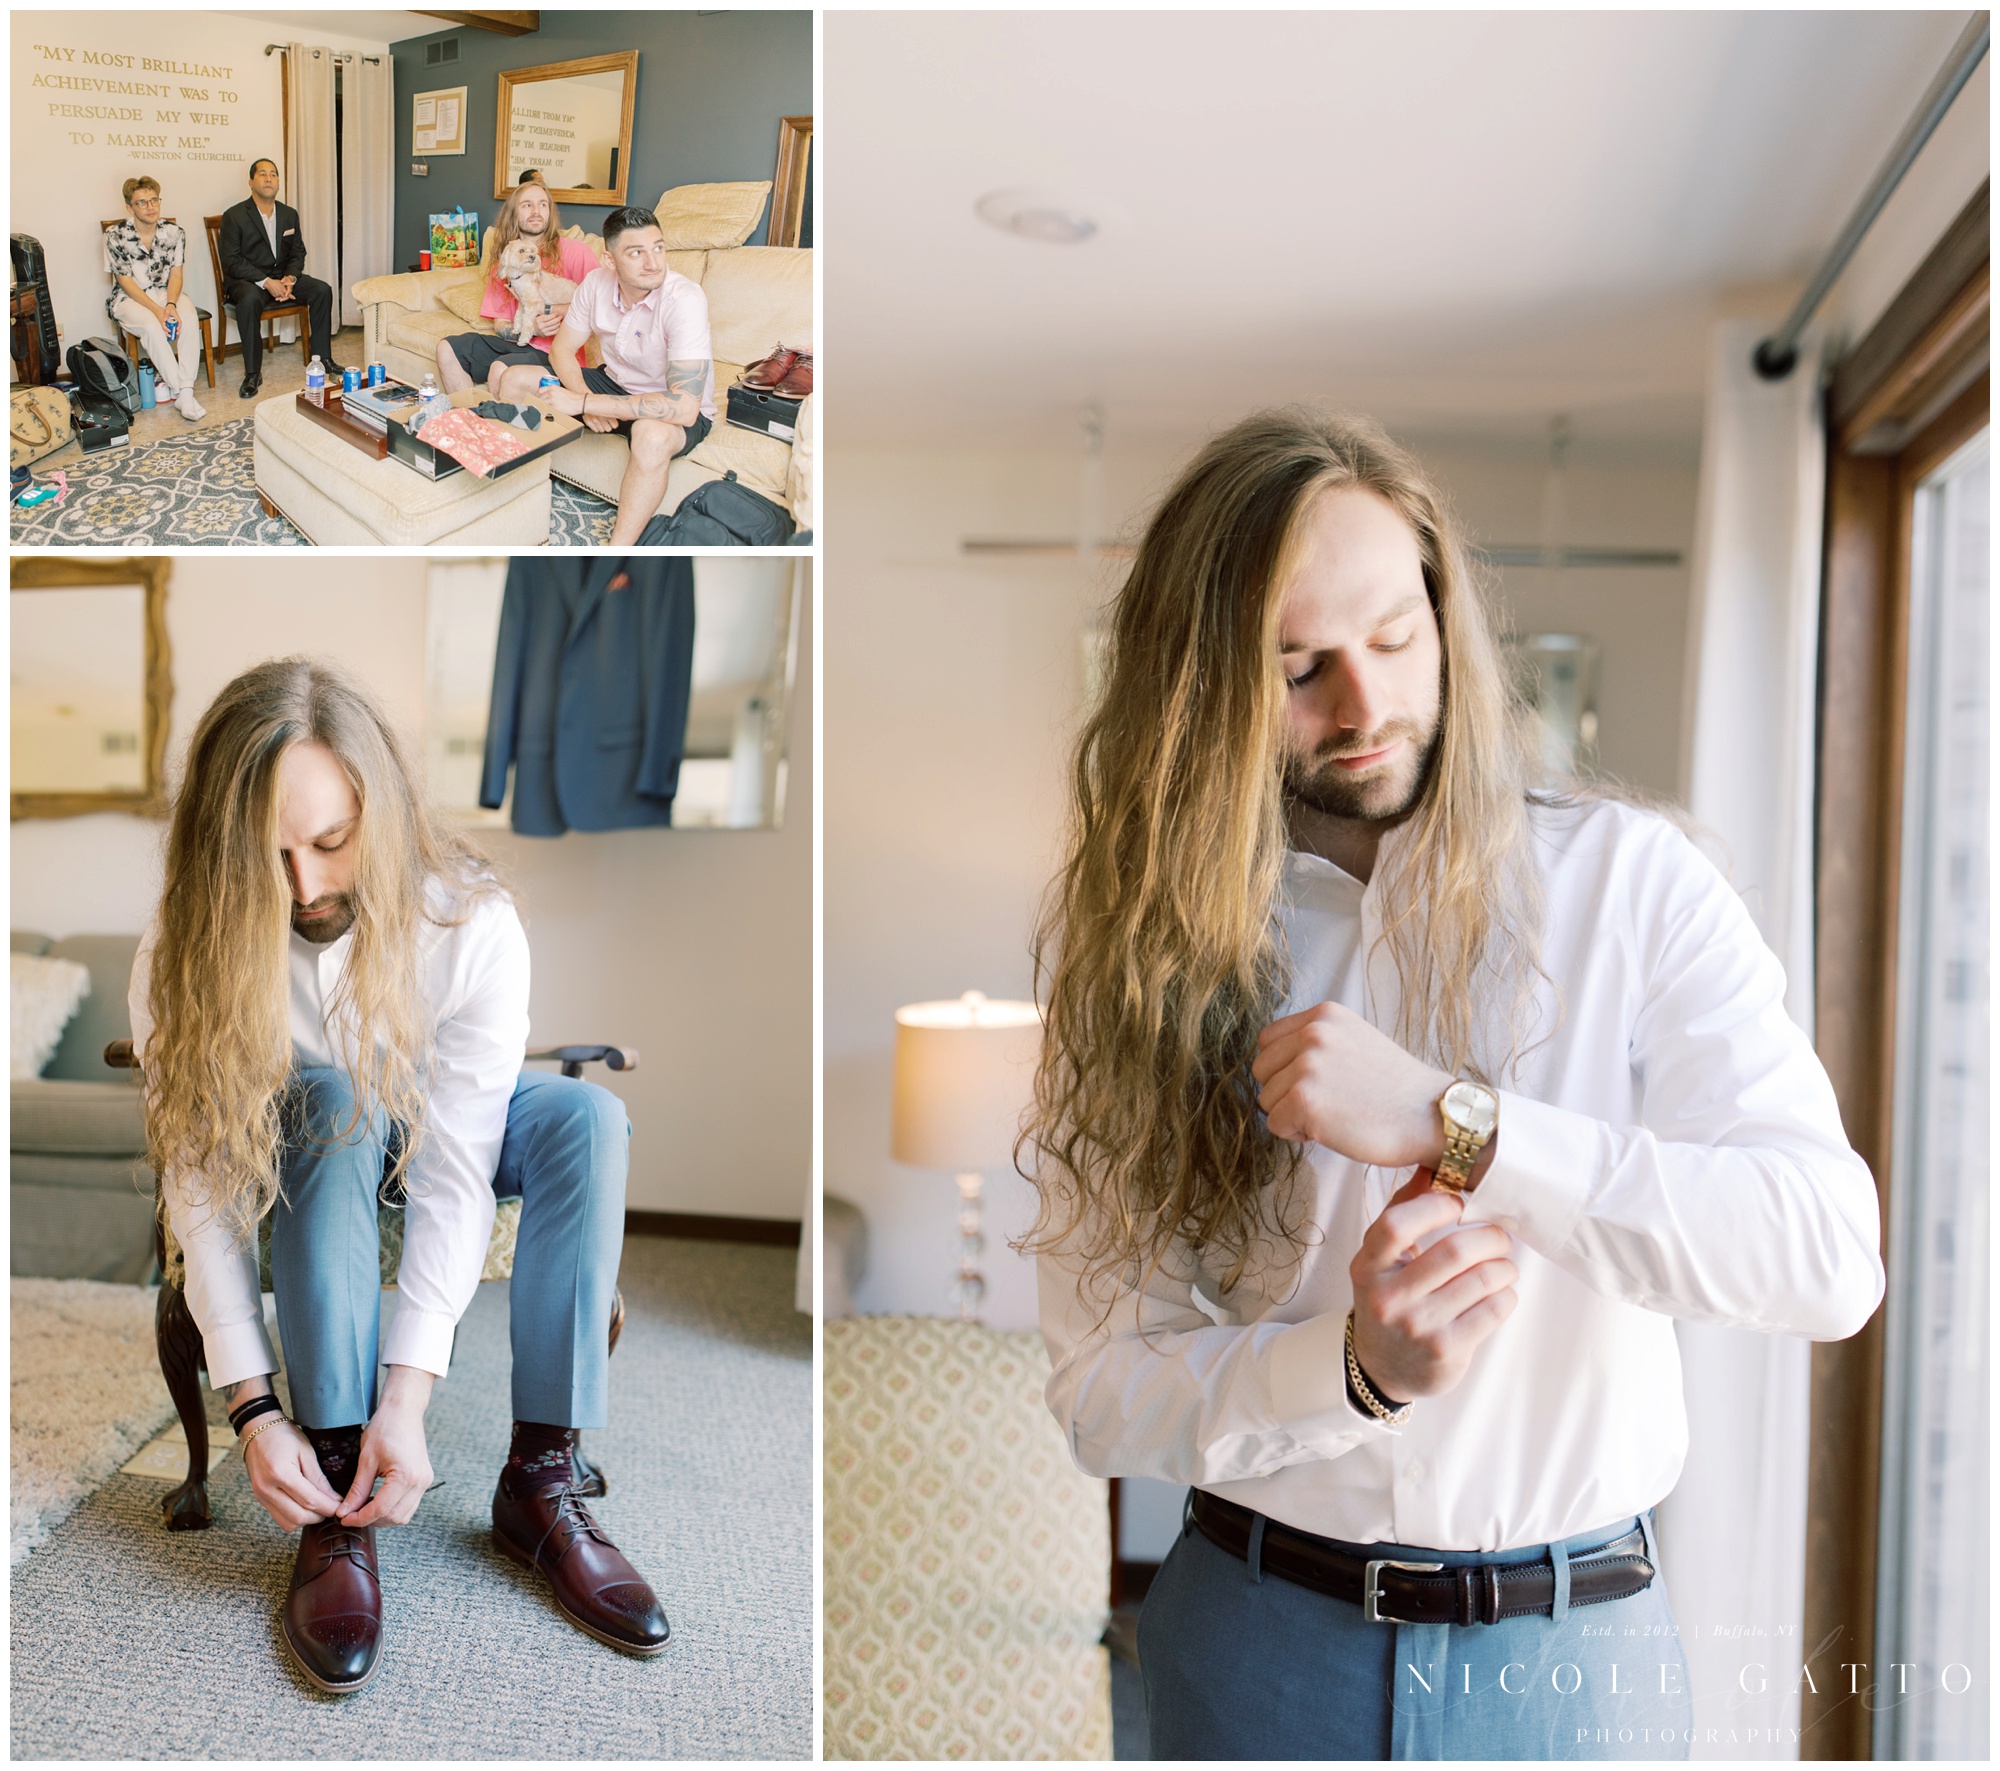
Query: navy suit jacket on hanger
[590, 692]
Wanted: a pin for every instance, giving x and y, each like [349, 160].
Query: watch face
[1476, 1109]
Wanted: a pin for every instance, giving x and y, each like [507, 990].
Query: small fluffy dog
[536, 291]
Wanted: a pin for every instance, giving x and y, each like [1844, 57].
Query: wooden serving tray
[331, 416]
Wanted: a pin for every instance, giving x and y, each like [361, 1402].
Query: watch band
[1461, 1151]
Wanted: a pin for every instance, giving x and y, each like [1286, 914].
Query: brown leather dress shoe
[333, 1614]
[798, 381]
[773, 369]
[549, 1527]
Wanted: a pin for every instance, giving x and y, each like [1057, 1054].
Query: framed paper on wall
[437, 121]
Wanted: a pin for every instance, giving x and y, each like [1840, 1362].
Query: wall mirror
[746, 637]
[90, 687]
[570, 121]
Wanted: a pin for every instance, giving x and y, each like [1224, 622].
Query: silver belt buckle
[1371, 1586]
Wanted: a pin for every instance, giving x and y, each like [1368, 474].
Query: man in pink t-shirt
[470, 357]
[657, 384]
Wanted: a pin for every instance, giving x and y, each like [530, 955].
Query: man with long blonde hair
[1392, 1104]
[529, 213]
[331, 1008]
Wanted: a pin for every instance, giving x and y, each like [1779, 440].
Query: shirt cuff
[418, 1337]
[1545, 1162]
[1308, 1366]
[238, 1351]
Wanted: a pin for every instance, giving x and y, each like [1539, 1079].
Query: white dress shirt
[1673, 1150]
[475, 991]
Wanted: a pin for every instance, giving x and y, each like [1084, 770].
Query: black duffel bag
[721, 513]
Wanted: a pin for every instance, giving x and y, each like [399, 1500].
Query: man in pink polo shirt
[657, 384]
[528, 214]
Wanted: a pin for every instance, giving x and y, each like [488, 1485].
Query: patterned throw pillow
[45, 993]
[968, 1560]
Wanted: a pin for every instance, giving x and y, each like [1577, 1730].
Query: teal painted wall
[712, 87]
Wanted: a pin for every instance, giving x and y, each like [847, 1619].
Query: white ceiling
[368, 27]
[1463, 222]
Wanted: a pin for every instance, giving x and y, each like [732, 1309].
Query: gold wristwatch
[1470, 1112]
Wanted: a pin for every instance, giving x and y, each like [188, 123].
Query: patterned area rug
[201, 491]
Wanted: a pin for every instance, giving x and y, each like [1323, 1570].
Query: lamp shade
[964, 1074]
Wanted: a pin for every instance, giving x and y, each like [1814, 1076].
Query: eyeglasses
[145, 202]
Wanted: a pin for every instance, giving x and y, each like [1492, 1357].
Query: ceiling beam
[507, 24]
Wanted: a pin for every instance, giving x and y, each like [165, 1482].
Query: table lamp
[964, 1073]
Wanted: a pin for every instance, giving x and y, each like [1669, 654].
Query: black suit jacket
[590, 691]
[246, 254]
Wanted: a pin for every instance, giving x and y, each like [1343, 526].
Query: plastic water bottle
[316, 380]
[431, 402]
[146, 396]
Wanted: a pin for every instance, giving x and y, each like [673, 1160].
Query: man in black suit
[263, 265]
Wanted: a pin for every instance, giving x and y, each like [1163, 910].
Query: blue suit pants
[1240, 1664]
[564, 1157]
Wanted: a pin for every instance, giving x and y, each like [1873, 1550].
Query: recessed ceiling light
[1037, 215]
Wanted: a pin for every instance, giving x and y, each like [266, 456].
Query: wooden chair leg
[208, 351]
[179, 1342]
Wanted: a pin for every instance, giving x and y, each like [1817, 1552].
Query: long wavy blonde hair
[1158, 953]
[220, 1057]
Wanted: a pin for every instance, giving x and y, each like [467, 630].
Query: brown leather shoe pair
[547, 1526]
[786, 373]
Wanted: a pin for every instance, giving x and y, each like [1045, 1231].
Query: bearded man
[331, 1005]
[1392, 1105]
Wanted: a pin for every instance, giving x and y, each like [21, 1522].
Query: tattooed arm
[679, 404]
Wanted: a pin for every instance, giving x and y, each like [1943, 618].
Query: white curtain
[309, 168]
[367, 178]
[1732, 1535]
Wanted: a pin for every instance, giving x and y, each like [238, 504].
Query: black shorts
[599, 382]
[477, 352]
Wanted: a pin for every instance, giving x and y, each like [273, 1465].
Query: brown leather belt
[1424, 1592]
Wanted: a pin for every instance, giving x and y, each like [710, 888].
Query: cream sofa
[758, 297]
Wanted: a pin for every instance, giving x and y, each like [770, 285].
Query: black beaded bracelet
[239, 1418]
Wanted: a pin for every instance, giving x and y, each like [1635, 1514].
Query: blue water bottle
[146, 401]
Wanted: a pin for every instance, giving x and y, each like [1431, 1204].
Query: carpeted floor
[198, 488]
[130, 1641]
[87, 1393]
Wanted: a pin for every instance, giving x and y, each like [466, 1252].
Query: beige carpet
[87, 1393]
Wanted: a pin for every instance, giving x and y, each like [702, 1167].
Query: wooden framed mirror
[92, 687]
[571, 121]
[790, 181]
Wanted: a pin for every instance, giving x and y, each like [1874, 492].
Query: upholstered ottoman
[339, 497]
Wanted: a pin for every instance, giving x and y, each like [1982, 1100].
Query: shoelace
[571, 1511]
[343, 1540]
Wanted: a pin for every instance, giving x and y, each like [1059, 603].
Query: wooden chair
[129, 341]
[179, 1341]
[297, 309]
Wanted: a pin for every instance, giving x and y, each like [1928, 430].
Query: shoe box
[751, 410]
[101, 423]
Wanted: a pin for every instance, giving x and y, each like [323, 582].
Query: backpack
[721, 513]
[99, 367]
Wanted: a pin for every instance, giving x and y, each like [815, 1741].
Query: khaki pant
[174, 364]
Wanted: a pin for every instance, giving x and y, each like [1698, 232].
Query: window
[1932, 1604]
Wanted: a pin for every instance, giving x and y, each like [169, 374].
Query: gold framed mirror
[571, 121]
[91, 687]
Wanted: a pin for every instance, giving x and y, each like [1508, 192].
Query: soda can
[424, 259]
[377, 374]
[173, 331]
[350, 379]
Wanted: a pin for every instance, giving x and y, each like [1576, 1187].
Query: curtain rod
[1778, 355]
[344, 55]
